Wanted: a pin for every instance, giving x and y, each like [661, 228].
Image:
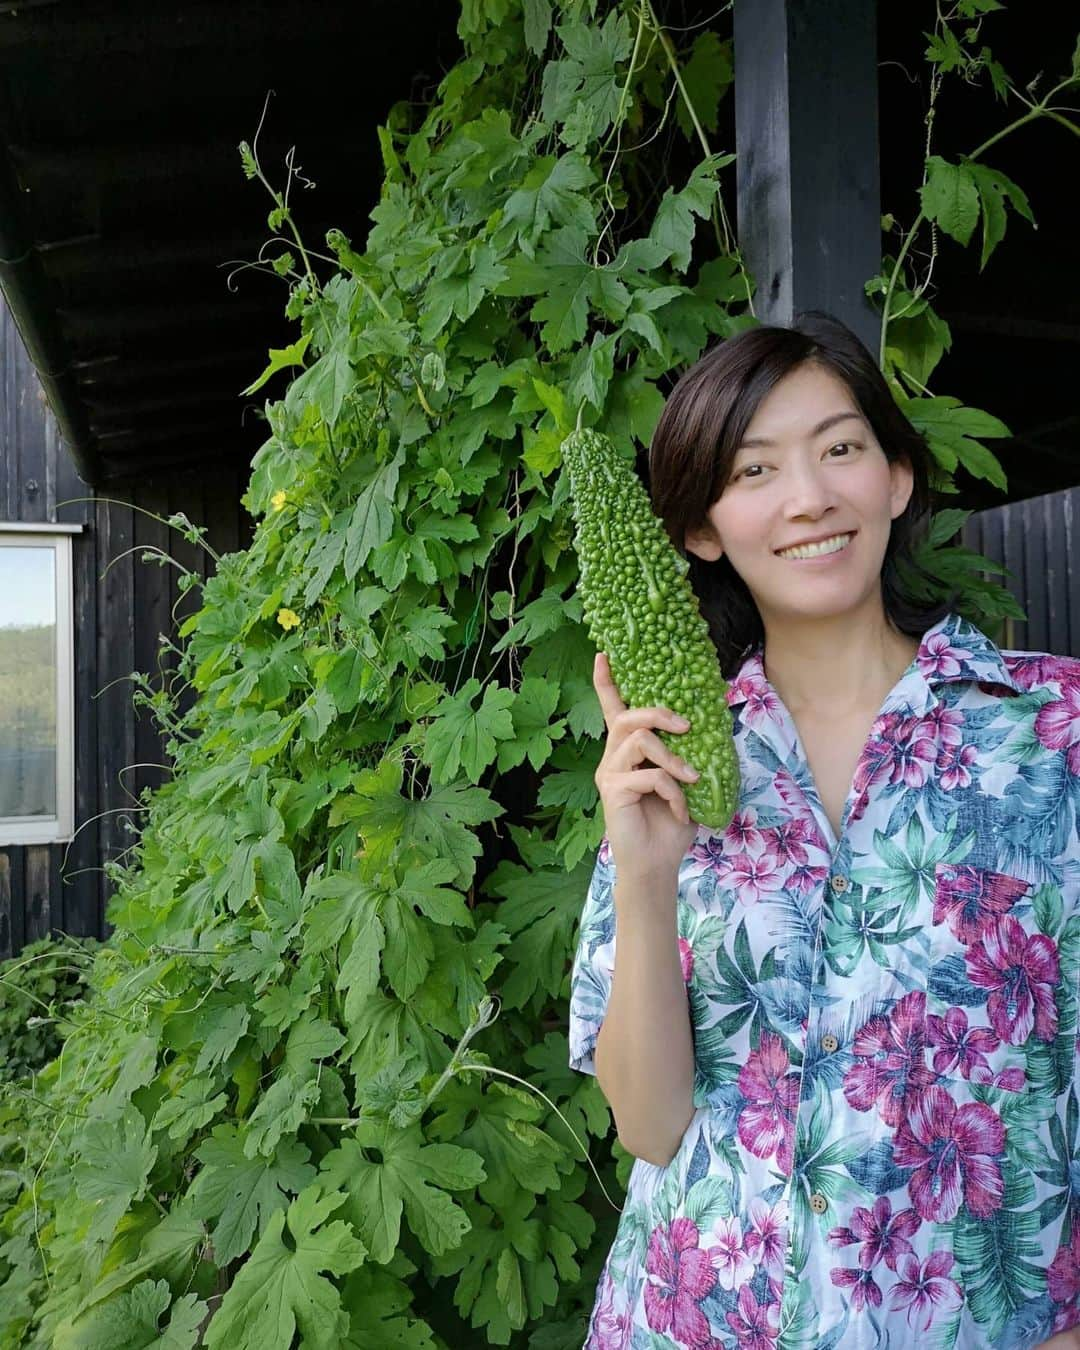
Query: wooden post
[806, 123]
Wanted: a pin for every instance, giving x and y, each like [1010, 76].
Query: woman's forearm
[645, 1049]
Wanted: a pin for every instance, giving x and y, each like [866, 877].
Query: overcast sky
[27, 588]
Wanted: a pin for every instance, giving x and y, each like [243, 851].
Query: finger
[626, 789]
[635, 719]
[611, 703]
[643, 745]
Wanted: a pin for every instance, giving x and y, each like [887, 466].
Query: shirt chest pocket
[1001, 1002]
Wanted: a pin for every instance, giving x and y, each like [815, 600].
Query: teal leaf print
[876, 1170]
[949, 981]
[709, 1199]
[785, 1002]
[995, 1254]
[1031, 1324]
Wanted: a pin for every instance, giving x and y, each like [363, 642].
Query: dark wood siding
[119, 611]
[1038, 540]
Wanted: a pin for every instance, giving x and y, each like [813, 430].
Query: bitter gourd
[642, 612]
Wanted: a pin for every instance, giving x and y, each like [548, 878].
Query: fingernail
[680, 721]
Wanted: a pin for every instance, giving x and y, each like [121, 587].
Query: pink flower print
[790, 793]
[1030, 669]
[874, 766]
[956, 1045]
[686, 960]
[890, 1069]
[1020, 970]
[1063, 1277]
[884, 1237]
[926, 1289]
[945, 726]
[862, 1284]
[954, 767]
[954, 1151]
[767, 1237]
[679, 1274]
[969, 900]
[762, 702]
[913, 749]
[753, 875]
[744, 833]
[729, 1259]
[805, 882]
[789, 840]
[757, 1325]
[1057, 724]
[767, 1124]
[936, 657]
[609, 1330]
[710, 850]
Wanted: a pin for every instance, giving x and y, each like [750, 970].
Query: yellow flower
[288, 619]
[278, 500]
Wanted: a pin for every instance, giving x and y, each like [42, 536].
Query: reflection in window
[27, 681]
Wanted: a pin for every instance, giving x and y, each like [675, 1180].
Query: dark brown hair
[702, 425]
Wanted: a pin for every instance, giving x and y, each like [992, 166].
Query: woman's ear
[902, 485]
[703, 543]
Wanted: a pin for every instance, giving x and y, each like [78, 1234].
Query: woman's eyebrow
[822, 426]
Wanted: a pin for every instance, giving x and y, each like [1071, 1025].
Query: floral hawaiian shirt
[885, 1147]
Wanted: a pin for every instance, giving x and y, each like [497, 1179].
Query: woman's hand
[647, 823]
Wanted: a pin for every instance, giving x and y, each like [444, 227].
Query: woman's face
[803, 480]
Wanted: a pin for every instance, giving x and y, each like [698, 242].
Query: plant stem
[377, 302]
[1033, 114]
[669, 52]
[1057, 117]
[471, 1066]
[724, 233]
[885, 316]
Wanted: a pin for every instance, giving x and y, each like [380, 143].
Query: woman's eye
[840, 445]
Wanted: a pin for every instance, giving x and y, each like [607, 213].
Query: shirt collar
[951, 651]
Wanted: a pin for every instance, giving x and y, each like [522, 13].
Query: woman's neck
[834, 672]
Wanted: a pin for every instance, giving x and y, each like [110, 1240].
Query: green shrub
[37, 991]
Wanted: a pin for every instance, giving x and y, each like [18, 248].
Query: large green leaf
[281, 1287]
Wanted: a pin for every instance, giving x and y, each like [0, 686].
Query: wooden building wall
[1038, 540]
[121, 605]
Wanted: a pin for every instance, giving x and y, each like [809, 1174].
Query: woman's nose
[807, 489]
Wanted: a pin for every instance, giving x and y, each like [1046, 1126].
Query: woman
[839, 1037]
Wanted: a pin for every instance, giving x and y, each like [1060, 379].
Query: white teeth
[832, 545]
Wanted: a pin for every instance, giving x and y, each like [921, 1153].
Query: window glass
[27, 680]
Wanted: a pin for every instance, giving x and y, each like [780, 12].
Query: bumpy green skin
[641, 610]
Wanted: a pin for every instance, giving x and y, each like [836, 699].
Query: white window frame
[60, 828]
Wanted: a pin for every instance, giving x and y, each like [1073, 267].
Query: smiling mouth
[834, 544]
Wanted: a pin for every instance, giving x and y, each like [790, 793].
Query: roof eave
[26, 290]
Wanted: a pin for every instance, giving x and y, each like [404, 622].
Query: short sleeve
[594, 962]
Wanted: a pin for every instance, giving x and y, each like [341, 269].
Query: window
[37, 722]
